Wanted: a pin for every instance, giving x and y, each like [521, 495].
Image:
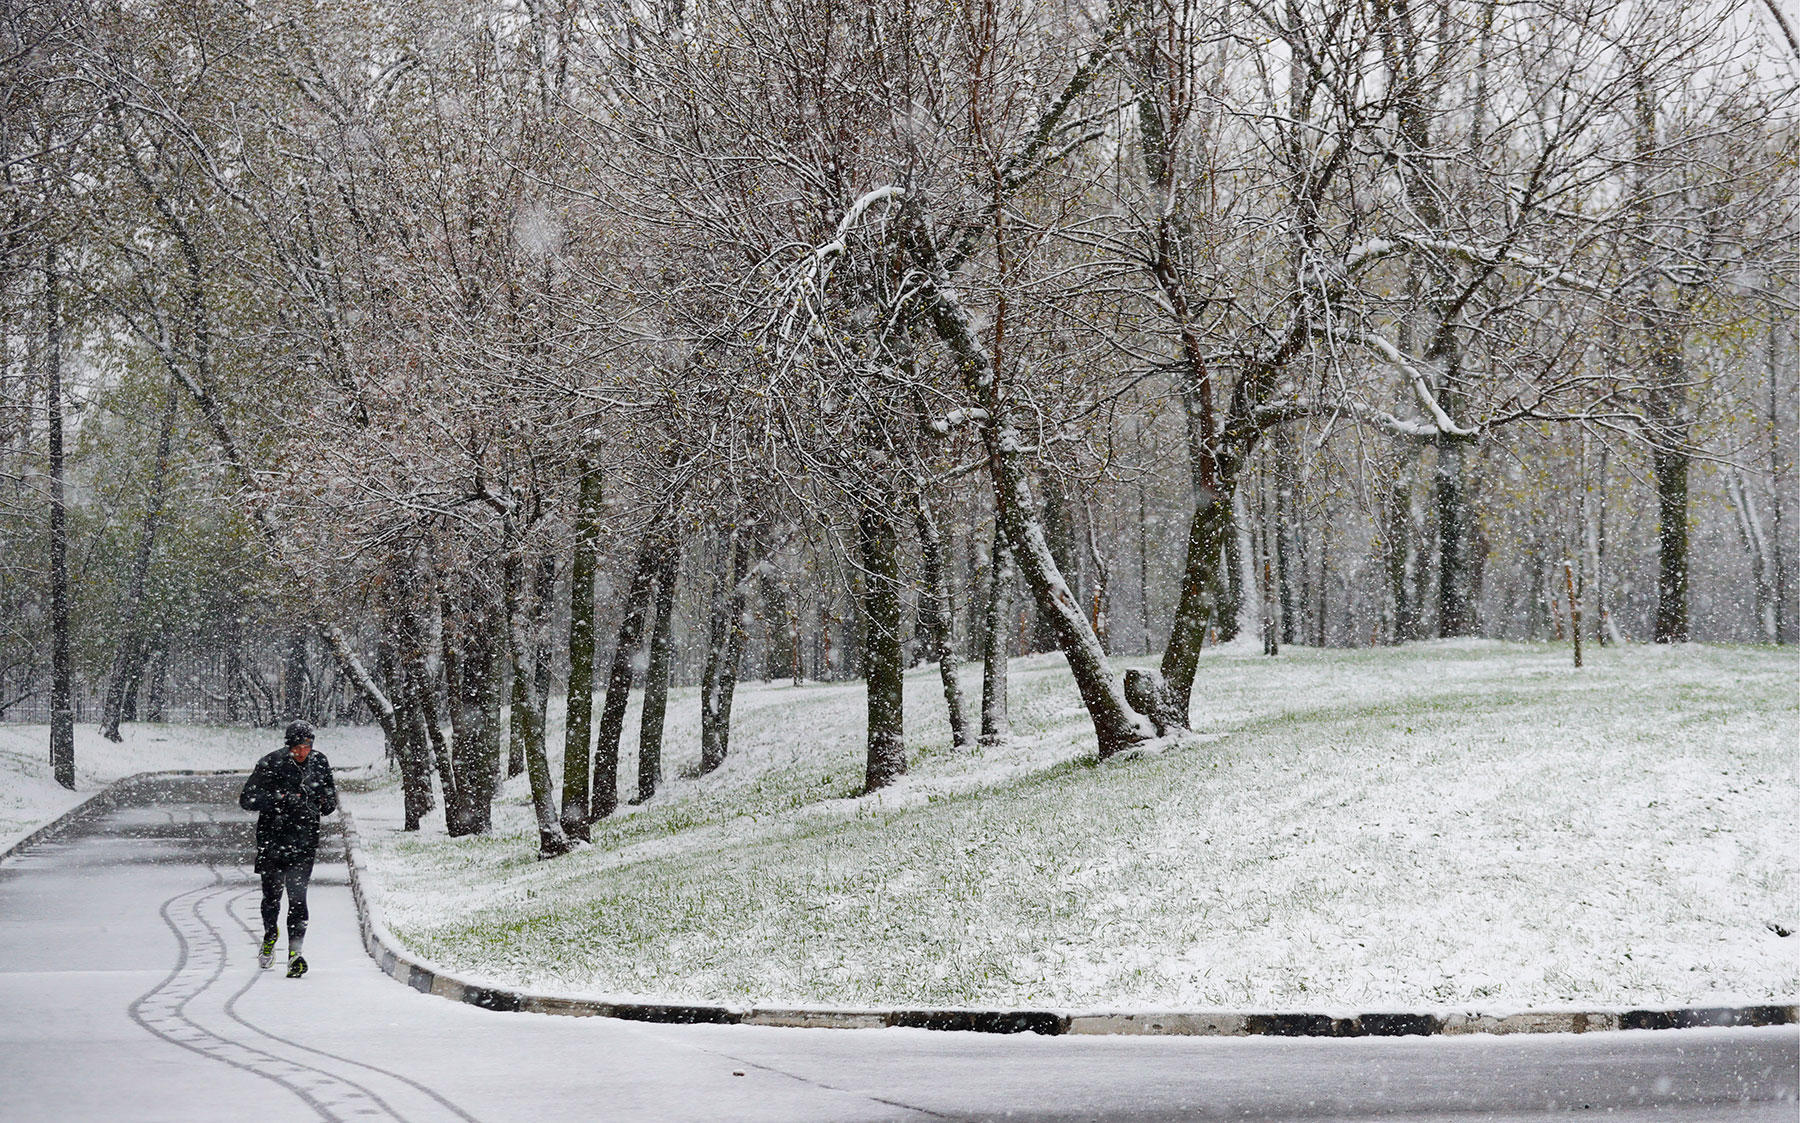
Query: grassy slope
[1446, 824]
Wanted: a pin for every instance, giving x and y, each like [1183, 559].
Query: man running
[289, 790]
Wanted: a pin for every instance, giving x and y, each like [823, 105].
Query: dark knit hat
[298, 731]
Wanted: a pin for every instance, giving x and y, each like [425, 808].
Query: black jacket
[288, 797]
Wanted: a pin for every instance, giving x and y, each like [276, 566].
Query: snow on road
[129, 991]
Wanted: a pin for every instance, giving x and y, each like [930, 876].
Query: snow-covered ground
[1464, 824]
[30, 796]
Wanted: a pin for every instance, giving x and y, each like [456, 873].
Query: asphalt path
[129, 990]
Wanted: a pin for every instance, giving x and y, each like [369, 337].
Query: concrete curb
[428, 978]
[100, 801]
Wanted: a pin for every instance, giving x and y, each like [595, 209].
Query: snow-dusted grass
[31, 797]
[1449, 824]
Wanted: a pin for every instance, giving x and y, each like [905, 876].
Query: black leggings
[294, 879]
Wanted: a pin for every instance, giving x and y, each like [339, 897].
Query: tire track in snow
[200, 962]
[251, 931]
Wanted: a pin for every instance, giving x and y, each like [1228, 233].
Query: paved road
[129, 990]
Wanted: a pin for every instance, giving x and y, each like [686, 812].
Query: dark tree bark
[293, 676]
[406, 747]
[1212, 541]
[935, 611]
[618, 679]
[1143, 559]
[995, 728]
[1669, 458]
[412, 740]
[128, 662]
[1670, 469]
[782, 657]
[656, 675]
[523, 621]
[884, 663]
[579, 720]
[156, 693]
[726, 637]
[1456, 571]
[425, 700]
[62, 705]
[473, 666]
[1777, 476]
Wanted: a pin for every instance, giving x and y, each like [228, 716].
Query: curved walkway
[129, 990]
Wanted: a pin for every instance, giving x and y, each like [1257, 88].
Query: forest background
[414, 363]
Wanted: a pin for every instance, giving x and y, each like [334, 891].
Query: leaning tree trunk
[1211, 538]
[578, 721]
[995, 728]
[128, 663]
[726, 637]
[527, 715]
[62, 705]
[656, 676]
[618, 679]
[1059, 532]
[1116, 725]
[937, 618]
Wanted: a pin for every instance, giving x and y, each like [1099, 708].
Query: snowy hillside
[1445, 824]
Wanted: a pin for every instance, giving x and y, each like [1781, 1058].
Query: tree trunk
[936, 614]
[128, 662]
[618, 679]
[884, 663]
[1287, 532]
[156, 694]
[1143, 545]
[1116, 725]
[656, 675]
[1777, 478]
[1669, 467]
[1059, 533]
[411, 737]
[995, 728]
[578, 721]
[424, 695]
[1211, 538]
[474, 667]
[62, 705]
[1456, 603]
[527, 714]
[408, 747]
[293, 676]
[726, 636]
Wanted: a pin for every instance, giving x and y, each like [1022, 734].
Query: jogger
[289, 790]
